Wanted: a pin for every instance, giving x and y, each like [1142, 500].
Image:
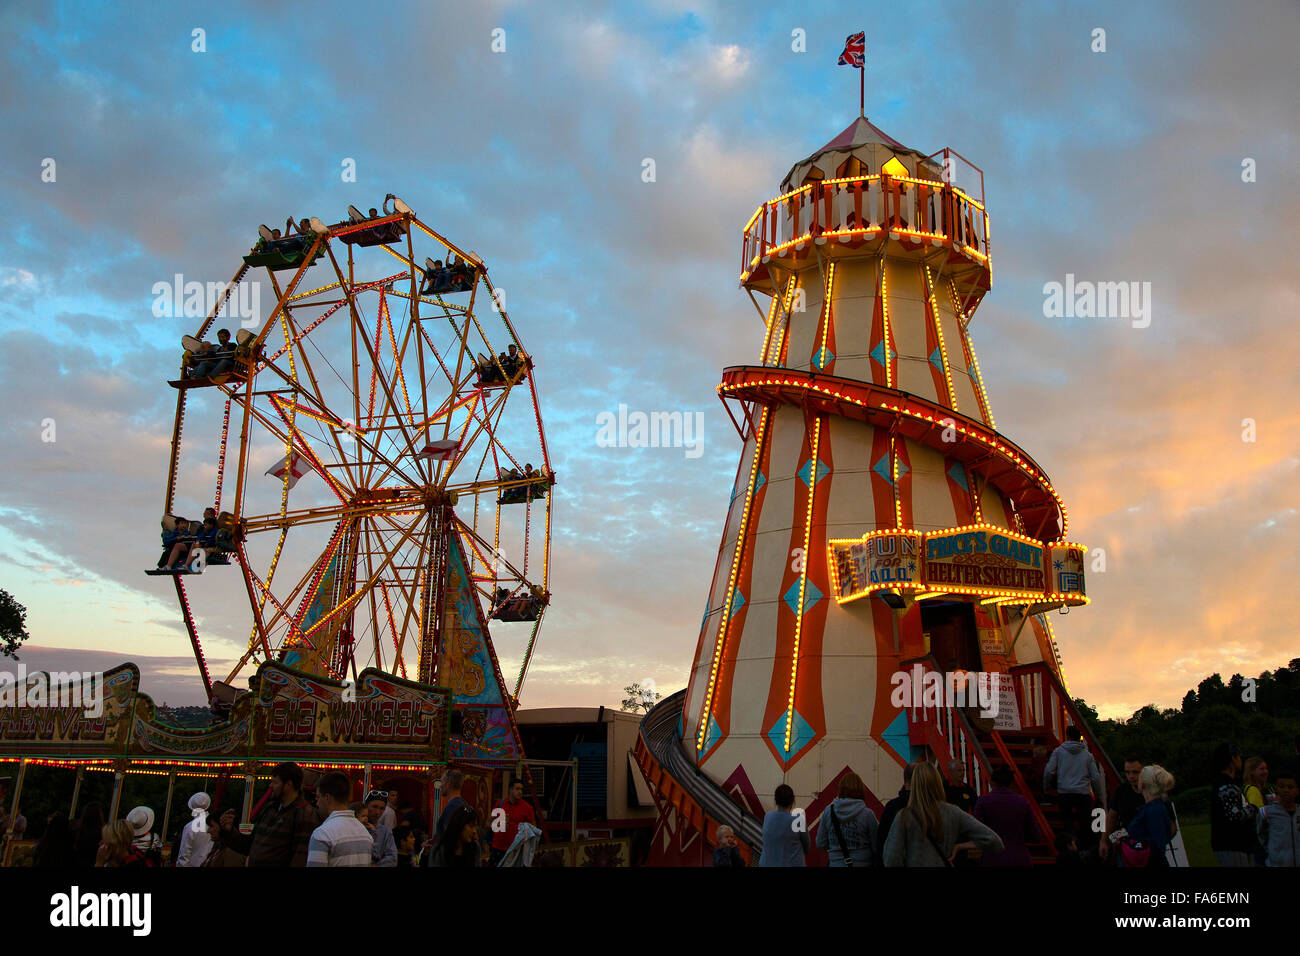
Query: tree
[640, 699]
[13, 616]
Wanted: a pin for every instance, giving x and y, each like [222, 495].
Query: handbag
[1135, 853]
[938, 849]
[839, 836]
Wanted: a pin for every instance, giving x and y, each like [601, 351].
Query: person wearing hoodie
[1073, 774]
[847, 828]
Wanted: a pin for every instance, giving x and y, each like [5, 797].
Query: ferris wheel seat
[237, 374]
[489, 373]
[281, 254]
[519, 496]
[444, 281]
[521, 608]
[380, 235]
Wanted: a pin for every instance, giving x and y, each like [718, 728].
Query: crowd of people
[935, 822]
[932, 822]
[288, 829]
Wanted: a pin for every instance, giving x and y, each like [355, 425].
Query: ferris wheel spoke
[350, 295]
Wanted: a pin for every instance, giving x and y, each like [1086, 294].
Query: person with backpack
[847, 828]
[929, 830]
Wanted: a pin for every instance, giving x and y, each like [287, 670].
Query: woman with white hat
[146, 847]
[196, 842]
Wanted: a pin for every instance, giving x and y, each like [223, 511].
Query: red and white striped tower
[878, 520]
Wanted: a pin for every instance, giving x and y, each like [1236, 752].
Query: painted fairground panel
[483, 729]
[152, 737]
[58, 714]
[302, 716]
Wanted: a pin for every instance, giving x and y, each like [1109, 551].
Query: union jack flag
[855, 51]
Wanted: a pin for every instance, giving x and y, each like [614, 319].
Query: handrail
[1055, 709]
[658, 734]
[856, 207]
[967, 734]
[949, 725]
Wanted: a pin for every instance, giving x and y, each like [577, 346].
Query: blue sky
[1122, 165]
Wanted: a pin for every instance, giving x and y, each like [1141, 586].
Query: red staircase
[1045, 710]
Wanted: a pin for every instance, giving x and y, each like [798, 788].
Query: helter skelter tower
[878, 524]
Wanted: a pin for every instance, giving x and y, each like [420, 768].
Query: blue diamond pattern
[821, 362]
[712, 734]
[737, 602]
[800, 734]
[878, 353]
[759, 482]
[958, 474]
[805, 473]
[936, 359]
[896, 737]
[811, 595]
[882, 468]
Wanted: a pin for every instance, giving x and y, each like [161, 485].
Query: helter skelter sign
[978, 560]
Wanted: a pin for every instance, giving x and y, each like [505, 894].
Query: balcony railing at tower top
[853, 209]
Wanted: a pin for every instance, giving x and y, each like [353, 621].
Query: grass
[1196, 840]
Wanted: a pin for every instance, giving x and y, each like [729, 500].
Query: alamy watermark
[924, 688]
[179, 299]
[82, 690]
[1100, 300]
[651, 430]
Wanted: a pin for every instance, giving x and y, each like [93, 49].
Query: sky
[1167, 158]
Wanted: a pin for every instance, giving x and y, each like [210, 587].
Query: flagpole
[862, 90]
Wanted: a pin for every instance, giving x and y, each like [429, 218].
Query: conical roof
[858, 134]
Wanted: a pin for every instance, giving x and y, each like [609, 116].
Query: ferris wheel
[369, 447]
